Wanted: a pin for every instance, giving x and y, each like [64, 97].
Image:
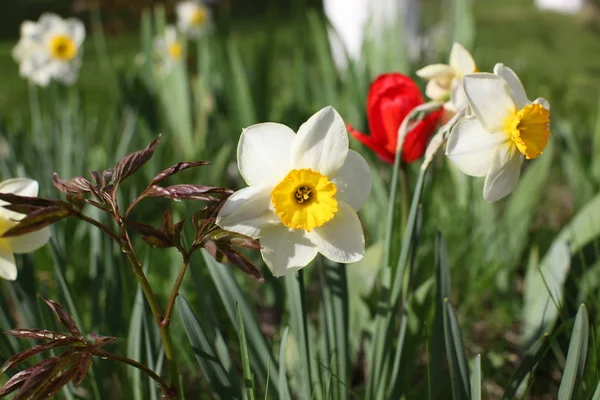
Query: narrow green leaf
[248, 379]
[294, 287]
[282, 385]
[230, 293]
[207, 358]
[463, 23]
[528, 364]
[457, 361]
[576, 357]
[596, 395]
[476, 379]
[241, 103]
[134, 343]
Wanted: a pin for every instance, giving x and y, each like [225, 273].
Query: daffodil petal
[341, 239]
[461, 60]
[504, 173]
[264, 153]
[247, 211]
[543, 102]
[471, 147]
[435, 91]
[286, 250]
[489, 98]
[8, 266]
[353, 181]
[76, 30]
[321, 143]
[29, 242]
[457, 96]
[20, 186]
[517, 91]
[435, 71]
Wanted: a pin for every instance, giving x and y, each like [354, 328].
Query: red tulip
[391, 97]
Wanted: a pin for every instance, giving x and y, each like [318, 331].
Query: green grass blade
[476, 379]
[457, 361]
[282, 382]
[576, 357]
[596, 395]
[134, 343]
[328, 74]
[463, 23]
[207, 358]
[248, 379]
[294, 287]
[241, 102]
[394, 390]
[528, 364]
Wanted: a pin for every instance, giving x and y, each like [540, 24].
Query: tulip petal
[341, 239]
[263, 153]
[29, 242]
[517, 91]
[471, 147]
[372, 144]
[286, 250]
[247, 211]
[436, 71]
[353, 181]
[504, 173]
[461, 60]
[8, 266]
[321, 143]
[489, 98]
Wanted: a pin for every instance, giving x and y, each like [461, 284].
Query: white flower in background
[506, 128]
[193, 18]
[50, 49]
[168, 49]
[304, 191]
[8, 219]
[445, 81]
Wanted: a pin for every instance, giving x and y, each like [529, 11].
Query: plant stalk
[174, 293]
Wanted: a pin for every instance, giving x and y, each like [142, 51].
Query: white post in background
[355, 21]
[566, 6]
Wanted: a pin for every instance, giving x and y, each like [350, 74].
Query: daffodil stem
[405, 196]
[161, 384]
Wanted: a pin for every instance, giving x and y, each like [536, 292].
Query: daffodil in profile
[168, 49]
[445, 80]
[18, 244]
[304, 191]
[506, 128]
[50, 49]
[193, 18]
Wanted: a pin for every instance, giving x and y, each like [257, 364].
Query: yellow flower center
[529, 129]
[304, 199]
[175, 51]
[199, 16]
[63, 48]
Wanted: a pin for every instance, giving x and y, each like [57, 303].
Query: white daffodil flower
[304, 191]
[193, 18]
[18, 244]
[445, 81]
[168, 49]
[50, 49]
[506, 128]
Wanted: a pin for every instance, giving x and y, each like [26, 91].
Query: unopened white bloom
[506, 128]
[445, 81]
[304, 191]
[8, 219]
[168, 49]
[50, 49]
[193, 18]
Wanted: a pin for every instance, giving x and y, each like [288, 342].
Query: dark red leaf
[82, 368]
[40, 374]
[31, 201]
[185, 192]
[151, 235]
[35, 350]
[15, 382]
[240, 261]
[76, 185]
[177, 168]
[100, 341]
[36, 334]
[132, 162]
[38, 219]
[63, 316]
[234, 239]
[57, 383]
